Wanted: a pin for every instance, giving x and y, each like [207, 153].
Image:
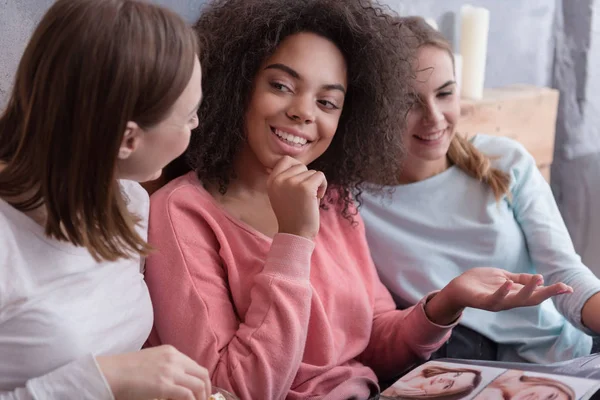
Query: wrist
[441, 309]
[304, 234]
[107, 366]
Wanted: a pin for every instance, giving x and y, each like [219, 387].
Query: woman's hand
[159, 372]
[295, 194]
[491, 289]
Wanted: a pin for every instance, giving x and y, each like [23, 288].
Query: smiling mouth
[290, 139]
[431, 138]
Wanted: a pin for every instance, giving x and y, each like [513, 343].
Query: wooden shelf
[521, 112]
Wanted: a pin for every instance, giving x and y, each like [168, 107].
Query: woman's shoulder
[506, 154]
[135, 195]
[182, 202]
[185, 190]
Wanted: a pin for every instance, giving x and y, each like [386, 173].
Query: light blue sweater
[427, 233]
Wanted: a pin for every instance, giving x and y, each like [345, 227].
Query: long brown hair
[90, 67]
[461, 152]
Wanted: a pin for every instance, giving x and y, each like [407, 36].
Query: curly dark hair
[236, 36]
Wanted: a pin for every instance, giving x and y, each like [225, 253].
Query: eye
[445, 94]
[280, 87]
[328, 105]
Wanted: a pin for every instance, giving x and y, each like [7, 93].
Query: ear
[131, 140]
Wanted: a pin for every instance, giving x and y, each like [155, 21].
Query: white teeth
[432, 137]
[288, 137]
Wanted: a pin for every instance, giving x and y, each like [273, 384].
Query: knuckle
[170, 354]
[204, 372]
[164, 382]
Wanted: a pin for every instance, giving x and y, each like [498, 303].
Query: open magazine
[459, 379]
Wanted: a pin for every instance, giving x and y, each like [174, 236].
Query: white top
[59, 308]
[427, 233]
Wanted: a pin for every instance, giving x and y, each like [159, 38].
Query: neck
[250, 176]
[419, 170]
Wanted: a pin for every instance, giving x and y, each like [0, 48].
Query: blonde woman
[465, 203]
[435, 382]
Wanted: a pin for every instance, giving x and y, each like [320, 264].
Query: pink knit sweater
[279, 318]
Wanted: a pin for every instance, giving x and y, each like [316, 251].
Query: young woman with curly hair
[277, 296]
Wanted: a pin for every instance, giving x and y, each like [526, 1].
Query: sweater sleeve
[257, 356]
[77, 380]
[550, 246]
[399, 338]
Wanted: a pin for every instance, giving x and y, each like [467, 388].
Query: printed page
[443, 380]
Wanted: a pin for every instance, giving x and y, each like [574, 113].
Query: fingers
[522, 279]
[499, 295]
[175, 392]
[200, 377]
[524, 296]
[295, 172]
[532, 282]
[291, 173]
[198, 387]
[543, 293]
[317, 180]
[284, 164]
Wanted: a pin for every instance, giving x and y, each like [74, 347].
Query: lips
[289, 137]
[432, 136]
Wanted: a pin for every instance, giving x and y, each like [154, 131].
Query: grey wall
[576, 168]
[520, 48]
[17, 20]
[520, 33]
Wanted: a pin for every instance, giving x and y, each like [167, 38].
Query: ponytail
[468, 158]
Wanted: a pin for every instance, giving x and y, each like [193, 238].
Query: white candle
[458, 63]
[474, 28]
[432, 23]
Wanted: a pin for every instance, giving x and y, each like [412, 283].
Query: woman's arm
[77, 380]
[550, 245]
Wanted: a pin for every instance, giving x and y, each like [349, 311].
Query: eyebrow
[445, 85]
[296, 75]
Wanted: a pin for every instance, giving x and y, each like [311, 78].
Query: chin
[151, 177]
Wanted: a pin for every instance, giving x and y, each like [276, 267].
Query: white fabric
[59, 308]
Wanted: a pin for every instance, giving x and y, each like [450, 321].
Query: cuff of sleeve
[80, 379]
[289, 257]
[428, 331]
[577, 319]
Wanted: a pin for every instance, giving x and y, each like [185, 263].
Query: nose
[432, 115]
[302, 110]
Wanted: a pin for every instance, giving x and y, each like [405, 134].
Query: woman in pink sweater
[263, 272]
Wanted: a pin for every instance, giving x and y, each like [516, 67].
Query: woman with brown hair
[263, 273]
[466, 203]
[105, 95]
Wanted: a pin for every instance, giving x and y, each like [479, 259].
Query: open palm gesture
[494, 289]
[490, 289]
